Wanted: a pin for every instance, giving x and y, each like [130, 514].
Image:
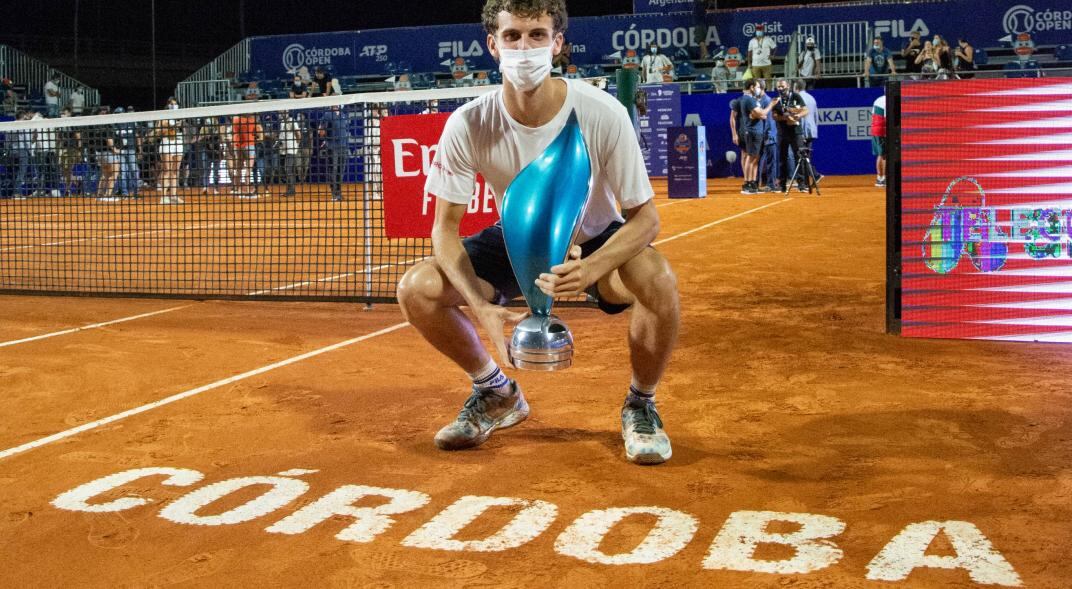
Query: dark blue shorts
[487, 252]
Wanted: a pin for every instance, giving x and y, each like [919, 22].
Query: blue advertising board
[664, 112]
[687, 172]
[843, 145]
[596, 38]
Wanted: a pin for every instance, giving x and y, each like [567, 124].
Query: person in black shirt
[910, 53]
[965, 61]
[297, 88]
[789, 113]
[322, 85]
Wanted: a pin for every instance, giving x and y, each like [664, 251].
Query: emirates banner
[408, 144]
[987, 209]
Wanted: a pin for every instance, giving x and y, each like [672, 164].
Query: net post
[893, 208]
[368, 129]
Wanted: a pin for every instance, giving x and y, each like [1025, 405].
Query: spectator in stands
[290, 142]
[879, 62]
[789, 114]
[964, 59]
[298, 88]
[335, 147]
[11, 102]
[720, 76]
[322, 85]
[246, 132]
[910, 53]
[944, 56]
[768, 155]
[761, 51]
[656, 68]
[70, 152]
[78, 101]
[927, 60]
[253, 91]
[878, 139]
[52, 96]
[810, 63]
[753, 136]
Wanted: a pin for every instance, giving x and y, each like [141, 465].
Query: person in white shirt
[656, 67]
[52, 96]
[497, 135]
[810, 63]
[761, 50]
[46, 161]
[78, 101]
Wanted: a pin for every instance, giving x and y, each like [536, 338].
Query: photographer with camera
[789, 113]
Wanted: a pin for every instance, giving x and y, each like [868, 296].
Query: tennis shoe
[642, 431]
[483, 412]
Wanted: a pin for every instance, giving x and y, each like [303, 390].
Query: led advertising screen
[986, 209]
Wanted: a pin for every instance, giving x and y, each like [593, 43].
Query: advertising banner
[409, 145]
[687, 173]
[660, 6]
[595, 39]
[987, 210]
[664, 112]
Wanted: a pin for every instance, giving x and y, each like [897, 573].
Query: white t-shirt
[761, 50]
[654, 66]
[51, 86]
[807, 62]
[481, 137]
[289, 137]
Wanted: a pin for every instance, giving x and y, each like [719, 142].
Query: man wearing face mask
[655, 65]
[761, 50]
[810, 63]
[497, 135]
[879, 62]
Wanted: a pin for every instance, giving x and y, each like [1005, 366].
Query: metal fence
[34, 73]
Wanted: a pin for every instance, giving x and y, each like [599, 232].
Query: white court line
[192, 392]
[103, 237]
[720, 221]
[85, 327]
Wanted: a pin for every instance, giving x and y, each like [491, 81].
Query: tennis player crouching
[497, 135]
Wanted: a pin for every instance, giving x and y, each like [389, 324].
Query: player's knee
[654, 284]
[420, 287]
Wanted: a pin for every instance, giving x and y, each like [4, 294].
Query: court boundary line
[283, 363]
[88, 327]
[193, 392]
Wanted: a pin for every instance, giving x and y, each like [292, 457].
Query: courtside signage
[361, 514]
[987, 209]
[409, 144]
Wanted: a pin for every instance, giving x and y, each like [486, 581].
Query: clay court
[785, 395]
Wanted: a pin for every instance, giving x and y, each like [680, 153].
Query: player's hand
[736, 141]
[566, 279]
[493, 318]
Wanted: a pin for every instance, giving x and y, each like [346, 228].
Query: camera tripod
[804, 165]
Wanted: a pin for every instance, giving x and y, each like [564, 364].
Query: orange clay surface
[784, 395]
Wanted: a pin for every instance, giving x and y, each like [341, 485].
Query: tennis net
[266, 200]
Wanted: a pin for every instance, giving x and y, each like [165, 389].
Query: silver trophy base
[541, 343]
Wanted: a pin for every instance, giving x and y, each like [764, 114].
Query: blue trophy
[541, 215]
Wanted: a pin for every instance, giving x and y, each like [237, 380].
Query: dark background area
[115, 37]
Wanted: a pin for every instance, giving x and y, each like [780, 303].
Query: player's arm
[761, 113]
[575, 275]
[733, 126]
[454, 262]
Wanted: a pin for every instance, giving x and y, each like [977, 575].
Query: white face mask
[173, 107]
[525, 68]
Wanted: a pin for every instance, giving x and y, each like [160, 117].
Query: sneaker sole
[648, 458]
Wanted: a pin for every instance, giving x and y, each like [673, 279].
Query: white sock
[639, 392]
[490, 377]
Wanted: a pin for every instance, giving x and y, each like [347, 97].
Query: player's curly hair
[556, 9]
